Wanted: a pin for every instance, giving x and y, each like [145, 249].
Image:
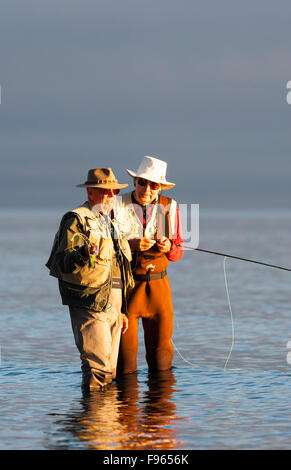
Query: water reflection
[126, 417]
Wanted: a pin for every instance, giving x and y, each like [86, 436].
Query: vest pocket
[105, 250]
[94, 298]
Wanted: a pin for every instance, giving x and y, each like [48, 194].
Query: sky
[101, 83]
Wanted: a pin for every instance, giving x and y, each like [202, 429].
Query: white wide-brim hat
[152, 169]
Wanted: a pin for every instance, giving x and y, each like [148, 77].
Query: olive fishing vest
[98, 277]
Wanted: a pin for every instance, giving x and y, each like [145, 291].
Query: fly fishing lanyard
[92, 256]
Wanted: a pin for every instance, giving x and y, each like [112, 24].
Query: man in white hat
[92, 263]
[153, 228]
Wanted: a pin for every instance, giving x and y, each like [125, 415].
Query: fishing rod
[236, 257]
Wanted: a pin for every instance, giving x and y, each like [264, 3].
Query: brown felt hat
[101, 178]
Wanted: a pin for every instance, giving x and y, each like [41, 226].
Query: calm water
[197, 405]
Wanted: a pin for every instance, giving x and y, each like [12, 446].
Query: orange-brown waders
[150, 299]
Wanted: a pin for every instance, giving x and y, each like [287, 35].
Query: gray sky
[200, 84]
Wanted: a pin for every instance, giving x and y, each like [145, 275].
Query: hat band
[101, 181]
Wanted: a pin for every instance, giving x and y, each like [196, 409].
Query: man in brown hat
[155, 237]
[92, 263]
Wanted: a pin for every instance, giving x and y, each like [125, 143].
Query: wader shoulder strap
[163, 217]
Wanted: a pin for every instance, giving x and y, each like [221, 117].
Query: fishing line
[182, 357]
[227, 293]
[177, 349]
[232, 326]
[231, 316]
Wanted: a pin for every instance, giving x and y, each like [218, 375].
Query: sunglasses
[110, 192]
[152, 185]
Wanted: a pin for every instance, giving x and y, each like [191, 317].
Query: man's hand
[141, 244]
[124, 323]
[164, 245]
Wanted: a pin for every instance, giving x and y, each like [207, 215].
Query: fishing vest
[98, 232]
[162, 223]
